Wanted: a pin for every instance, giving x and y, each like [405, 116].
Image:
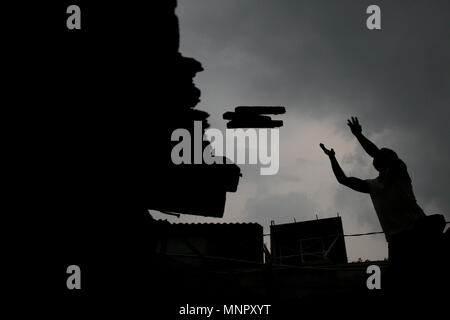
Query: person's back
[392, 195]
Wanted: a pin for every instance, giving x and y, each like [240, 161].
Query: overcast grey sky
[318, 60]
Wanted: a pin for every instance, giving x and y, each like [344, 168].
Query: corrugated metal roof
[209, 223]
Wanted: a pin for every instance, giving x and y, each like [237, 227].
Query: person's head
[384, 159]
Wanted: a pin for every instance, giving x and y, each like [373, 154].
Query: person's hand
[329, 152]
[354, 125]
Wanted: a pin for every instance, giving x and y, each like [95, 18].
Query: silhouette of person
[391, 193]
[415, 241]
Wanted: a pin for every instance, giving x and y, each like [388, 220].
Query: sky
[318, 59]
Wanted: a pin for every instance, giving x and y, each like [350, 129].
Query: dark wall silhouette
[314, 241]
[90, 113]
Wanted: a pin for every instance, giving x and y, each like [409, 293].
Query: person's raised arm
[351, 182]
[367, 145]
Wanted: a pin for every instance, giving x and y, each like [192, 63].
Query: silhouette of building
[236, 241]
[315, 241]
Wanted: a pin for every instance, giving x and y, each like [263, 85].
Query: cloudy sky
[318, 59]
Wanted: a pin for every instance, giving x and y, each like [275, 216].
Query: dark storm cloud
[322, 50]
[281, 208]
[318, 59]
